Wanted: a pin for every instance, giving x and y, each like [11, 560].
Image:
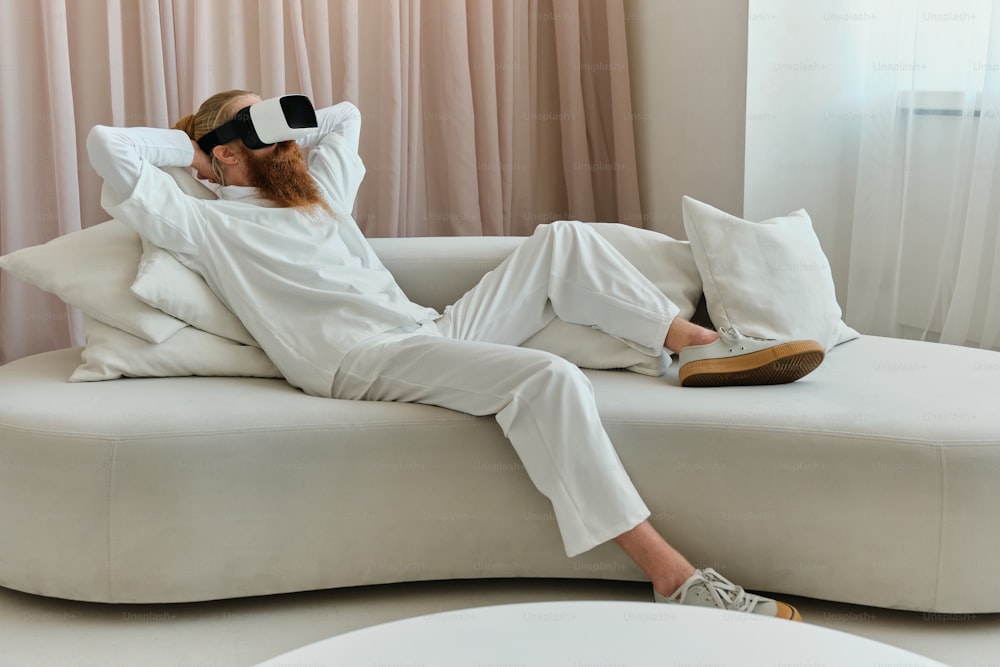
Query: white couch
[871, 481]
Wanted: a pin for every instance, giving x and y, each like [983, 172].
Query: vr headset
[264, 123]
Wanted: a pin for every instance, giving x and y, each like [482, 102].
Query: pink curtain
[479, 117]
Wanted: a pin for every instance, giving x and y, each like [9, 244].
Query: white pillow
[164, 283]
[667, 263]
[92, 270]
[767, 279]
[111, 353]
[587, 347]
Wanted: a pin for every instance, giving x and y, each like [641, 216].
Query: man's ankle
[704, 336]
[669, 585]
[683, 334]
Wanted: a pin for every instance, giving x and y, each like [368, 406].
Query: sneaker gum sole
[787, 612]
[780, 364]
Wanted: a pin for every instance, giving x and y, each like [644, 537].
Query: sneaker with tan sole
[735, 360]
[708, 588]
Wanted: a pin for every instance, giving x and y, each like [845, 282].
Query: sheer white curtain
[882, 118]
[479, 116]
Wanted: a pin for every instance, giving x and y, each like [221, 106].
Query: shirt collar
[238, 192]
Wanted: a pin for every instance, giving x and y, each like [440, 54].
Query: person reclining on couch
[281, 249]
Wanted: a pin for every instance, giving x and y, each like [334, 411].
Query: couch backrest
[436, 270]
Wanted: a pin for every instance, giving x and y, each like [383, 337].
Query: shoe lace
[729, 594]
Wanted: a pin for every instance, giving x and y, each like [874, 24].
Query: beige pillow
[164, 283]
[768, 279]
[111, 353]
[92, 269]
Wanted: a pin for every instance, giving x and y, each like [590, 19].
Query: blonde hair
[215, 111]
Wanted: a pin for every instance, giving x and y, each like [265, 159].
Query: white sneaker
[735, 359]
[708, 588]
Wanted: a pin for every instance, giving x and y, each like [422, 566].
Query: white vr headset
[261, 124]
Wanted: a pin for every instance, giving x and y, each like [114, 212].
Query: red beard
[282, 176]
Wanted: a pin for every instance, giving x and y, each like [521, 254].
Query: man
[281, 250]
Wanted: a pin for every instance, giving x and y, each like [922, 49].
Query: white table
[576, 633]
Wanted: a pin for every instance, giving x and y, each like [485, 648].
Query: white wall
[688, 63]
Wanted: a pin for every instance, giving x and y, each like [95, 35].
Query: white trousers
[468, 360]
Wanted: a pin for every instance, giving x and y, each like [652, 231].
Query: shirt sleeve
[334, 161]
[117, 153]
[140, 194]
[343, 119]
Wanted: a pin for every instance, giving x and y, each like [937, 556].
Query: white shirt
[307, 286]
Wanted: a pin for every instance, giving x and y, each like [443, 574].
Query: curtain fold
[478, 117]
